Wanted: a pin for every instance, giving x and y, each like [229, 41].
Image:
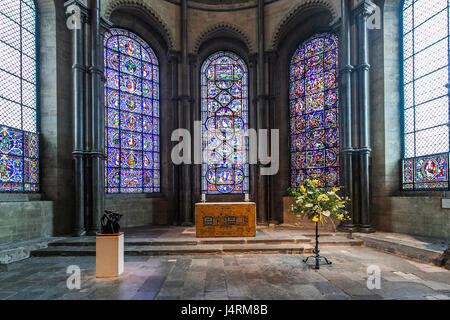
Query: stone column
[185, 98]
[79, 72]
[97, 153]
[262, 116]
[272, 57]
[345, 92]
[364, 10]
[253, 124]
[173, 59]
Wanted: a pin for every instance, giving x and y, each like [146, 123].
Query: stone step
[417, 250]
[180, 250]
[182, 242]
[338, 241]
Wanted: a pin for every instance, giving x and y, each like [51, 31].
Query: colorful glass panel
[224, 90]
[425, 58]
[426, 173]
[132, 115]
[314, 113]
[19, 138]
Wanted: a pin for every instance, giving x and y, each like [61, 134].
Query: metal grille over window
[132, 115]
[19, 139]
[425, 31]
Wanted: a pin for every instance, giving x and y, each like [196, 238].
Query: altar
[227, 219]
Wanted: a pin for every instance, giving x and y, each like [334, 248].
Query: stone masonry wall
[20, 221]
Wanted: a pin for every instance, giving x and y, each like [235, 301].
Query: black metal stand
[316, 252]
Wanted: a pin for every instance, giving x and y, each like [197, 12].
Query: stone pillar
[79, 72]
[173, 59]
[364, 10]
[253, 124]
[272, 57]
[262, 116]
[186, 197]
[345, 93]
[97, 153]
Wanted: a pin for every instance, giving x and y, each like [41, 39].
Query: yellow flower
[315, 219]
[323, 197]
[315, 183]
[335, 190]
[340, 217]
[303, 190]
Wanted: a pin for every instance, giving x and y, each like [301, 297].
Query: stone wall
[138, 210]
[57, 181]
[25, 220]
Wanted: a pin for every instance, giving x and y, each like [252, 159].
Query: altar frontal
[236, 219]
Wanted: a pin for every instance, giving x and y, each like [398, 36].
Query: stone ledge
[409, 249]
[179, 250]
[18, 251]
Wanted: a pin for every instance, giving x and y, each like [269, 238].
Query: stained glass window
[132, 115]
[425, 50]
[19, 140]
[314, 114]
[224, 106]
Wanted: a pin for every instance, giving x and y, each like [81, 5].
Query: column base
[366, 229]
[79, 233]
[347, 228]
[187, 224]
[93, 232]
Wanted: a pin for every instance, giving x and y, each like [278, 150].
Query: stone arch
[291, 16]
[222, 28]
[141, 4]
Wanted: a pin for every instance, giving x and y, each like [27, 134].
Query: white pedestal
[109, 255]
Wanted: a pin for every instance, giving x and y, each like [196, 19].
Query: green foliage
[319, 204]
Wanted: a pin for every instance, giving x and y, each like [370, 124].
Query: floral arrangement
[319, 204]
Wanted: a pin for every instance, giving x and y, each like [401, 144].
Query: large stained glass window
[19, 141]
[425, 30]
[314, 114]
[224, 106]
[132, 115]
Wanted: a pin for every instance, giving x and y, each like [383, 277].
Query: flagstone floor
[230, 277]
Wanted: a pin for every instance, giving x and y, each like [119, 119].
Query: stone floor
[230, 277]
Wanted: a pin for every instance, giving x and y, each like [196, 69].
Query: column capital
[193, 59]
[253, 59]
[272, 56]
[364, 9]
[336, 24]
[105, 25]
[173, 56]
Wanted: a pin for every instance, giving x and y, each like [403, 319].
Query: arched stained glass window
[224, 106]
[132, 115]
[425, 30]
[314, 112]
[19, 141]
